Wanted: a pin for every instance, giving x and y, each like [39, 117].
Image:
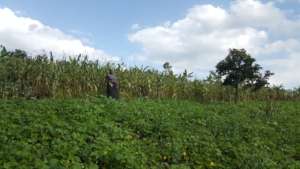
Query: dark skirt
[112, 92]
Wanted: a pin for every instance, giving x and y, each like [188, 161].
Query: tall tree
[239, 69]
[3, 51]
[167, 68]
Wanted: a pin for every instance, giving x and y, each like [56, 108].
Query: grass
[102, 133]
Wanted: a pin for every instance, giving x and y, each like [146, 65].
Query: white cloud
[202, 38]
[264, 16]
[286, 1]
[35, 37]
[135, 27]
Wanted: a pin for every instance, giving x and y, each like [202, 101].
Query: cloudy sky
[190, 34]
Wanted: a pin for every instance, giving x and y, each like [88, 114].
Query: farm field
[102, 133]
[150, 84]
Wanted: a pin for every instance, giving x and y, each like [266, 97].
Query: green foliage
[102, 133]
[239, 68]
[23, 76]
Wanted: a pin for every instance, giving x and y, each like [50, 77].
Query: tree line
[237, 77]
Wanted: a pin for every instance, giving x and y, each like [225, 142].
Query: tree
[239, 69]
[167, 68]
[3, 51]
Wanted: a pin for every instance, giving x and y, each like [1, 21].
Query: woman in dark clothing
[112, 86]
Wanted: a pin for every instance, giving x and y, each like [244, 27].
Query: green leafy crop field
[102, 133]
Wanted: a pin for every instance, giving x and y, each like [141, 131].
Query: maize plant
[43, 77]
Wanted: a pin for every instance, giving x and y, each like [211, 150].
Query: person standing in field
[112, 85]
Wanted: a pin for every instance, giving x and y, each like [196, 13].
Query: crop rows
[102, 133]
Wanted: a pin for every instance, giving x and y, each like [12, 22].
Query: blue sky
[190, 34]
[105, 23]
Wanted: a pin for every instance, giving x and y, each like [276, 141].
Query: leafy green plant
[101, 133]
